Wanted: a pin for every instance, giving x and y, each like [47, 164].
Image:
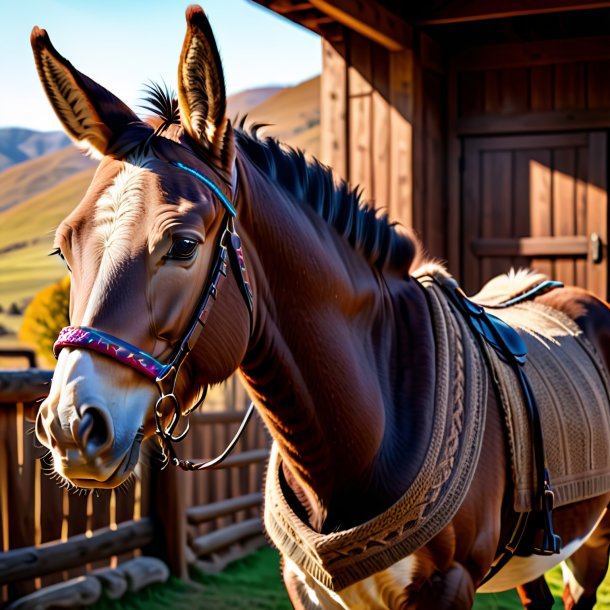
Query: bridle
[165, 376]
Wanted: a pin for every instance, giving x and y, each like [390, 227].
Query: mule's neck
[325, 361]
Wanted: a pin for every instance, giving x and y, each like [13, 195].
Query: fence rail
[36, 561]
[49, 535]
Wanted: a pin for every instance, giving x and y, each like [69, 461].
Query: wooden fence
[49, 534]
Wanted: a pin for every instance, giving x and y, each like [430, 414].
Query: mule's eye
[182, 249]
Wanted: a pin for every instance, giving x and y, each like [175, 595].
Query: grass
[254, 583]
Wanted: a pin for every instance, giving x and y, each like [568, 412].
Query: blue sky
[124, 43]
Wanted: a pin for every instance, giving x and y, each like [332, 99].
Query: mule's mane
[310, 183]
[313, 184]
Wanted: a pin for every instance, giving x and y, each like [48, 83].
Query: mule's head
[140, 247]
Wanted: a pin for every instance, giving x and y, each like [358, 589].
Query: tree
[45, 316]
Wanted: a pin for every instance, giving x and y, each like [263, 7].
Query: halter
[165, 376]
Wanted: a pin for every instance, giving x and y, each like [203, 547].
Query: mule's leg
[536, 595]
[450, 590]
[586, 568]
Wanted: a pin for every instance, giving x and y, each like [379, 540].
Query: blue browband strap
[228, 205]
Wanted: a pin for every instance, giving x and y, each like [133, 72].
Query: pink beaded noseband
[165, 376]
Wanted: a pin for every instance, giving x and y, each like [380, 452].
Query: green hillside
[26, 237]
[36, 194]
[24, 180]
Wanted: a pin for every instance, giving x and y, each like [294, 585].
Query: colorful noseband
[117, 349]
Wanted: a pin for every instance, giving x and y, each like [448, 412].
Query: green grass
[252, 583]
[255, 583]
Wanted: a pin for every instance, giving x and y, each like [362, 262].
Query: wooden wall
[528, 167]
[383, 129]
[414, 129]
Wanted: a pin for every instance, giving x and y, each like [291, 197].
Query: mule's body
[339, 355]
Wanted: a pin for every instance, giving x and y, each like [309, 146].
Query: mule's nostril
[94, 432]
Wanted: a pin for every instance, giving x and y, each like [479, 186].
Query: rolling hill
[293, 115]
[36, 193]
[18, 144]
[244, 101]
[24, 180]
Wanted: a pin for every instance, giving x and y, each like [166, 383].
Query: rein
[165, 376]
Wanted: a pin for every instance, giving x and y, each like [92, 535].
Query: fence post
[166, 507]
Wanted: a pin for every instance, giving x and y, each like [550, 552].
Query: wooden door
[539, 201]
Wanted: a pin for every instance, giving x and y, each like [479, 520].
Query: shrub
[45, 316]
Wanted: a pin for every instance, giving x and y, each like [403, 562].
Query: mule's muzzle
[100, 474]
[84, 446]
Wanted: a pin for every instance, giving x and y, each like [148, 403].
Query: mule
[319, 313]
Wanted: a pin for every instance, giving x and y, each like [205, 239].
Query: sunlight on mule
[417, 453]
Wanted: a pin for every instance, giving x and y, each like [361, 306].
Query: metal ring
[167, 431]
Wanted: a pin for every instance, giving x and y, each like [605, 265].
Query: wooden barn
[483, 125]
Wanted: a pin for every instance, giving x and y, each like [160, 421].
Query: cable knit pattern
[342, 558]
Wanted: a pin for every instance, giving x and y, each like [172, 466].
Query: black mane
[313, 184]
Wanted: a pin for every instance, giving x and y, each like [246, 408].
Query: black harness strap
[510, 347]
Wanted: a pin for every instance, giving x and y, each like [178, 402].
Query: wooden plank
[418, 139]
[401, 137]
[471, 215]
[431, 54]
[478, 10]
[540, 198]
[29, 562]
[580, 212]
[541, 88]
[565, 246]
[533, 122]
[515, 90]
[471, 93]
[528, 54]
[245, 458]
[564, 220]
[434, 165]
[124, 510]
[521, 203]
[221, 539]
[21, 526]
[333, 108]
[216, 417]
[380, 136]
[24, 385]
[570, 86]
[370, 19]
[496, 207]
[360, 89]
[286, 6]
[597, 211]
[167, 512]
[21, 354]
[492, 92]
[454, 176]
[598, 84]
[199, 514]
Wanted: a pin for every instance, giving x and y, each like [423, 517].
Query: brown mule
[339, 350]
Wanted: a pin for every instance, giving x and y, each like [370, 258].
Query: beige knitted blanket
[572, 389]
[340, 559]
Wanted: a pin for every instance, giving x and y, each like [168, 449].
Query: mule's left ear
[90, 114]
[201, 90]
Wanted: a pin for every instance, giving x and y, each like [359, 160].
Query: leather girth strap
[509, 346]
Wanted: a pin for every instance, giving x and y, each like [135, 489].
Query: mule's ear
[90, 114]
[201, 89]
